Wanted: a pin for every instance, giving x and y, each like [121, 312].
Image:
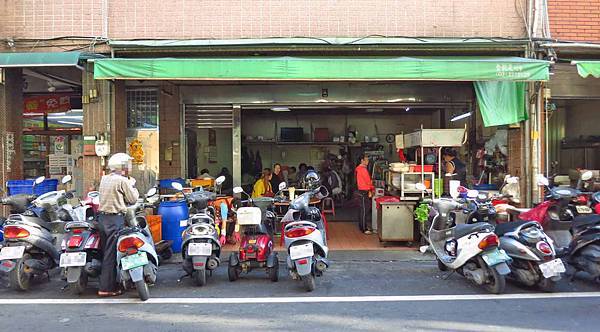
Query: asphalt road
[362, 291]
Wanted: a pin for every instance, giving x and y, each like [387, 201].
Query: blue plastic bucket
[174, 215]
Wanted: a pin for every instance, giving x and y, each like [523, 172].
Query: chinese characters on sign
[9, 149]
[511, 71]
[47, 104]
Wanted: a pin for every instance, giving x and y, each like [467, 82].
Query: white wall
[224, 151]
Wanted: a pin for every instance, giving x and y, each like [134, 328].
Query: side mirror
[587, 175]
[39, 180]
[219, 181]
[282, 186]
[238, 190]
[151, 192]
[421, 187]
[66, 179]
[176, 186]
[542, 180]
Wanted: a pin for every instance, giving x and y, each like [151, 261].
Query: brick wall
[575, 20]
[127, 19]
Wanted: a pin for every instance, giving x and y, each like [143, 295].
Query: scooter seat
[461, 230]
[586, 221]
[508, 227]
[38, 221]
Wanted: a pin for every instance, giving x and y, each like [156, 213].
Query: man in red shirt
[365, 190]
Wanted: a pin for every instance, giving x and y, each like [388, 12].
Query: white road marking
[307, 299]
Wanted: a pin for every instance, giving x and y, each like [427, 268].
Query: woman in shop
[455, 168]
[277, 177]
[262, 187]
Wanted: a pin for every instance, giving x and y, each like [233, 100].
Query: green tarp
[326, 68]
[42, 59]
[587, 68]
[501, 103]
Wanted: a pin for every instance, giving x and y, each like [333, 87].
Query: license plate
[133, 261]
[552, 268]
[251, 255]
[495, 257]
[301, 251]
[73, 259]
[199, 249]
[583, 209]
[12, 252]
[252, 241]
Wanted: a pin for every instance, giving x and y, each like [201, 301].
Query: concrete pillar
[11, 125]
[236, 143]
[169, 136]
[119, 118]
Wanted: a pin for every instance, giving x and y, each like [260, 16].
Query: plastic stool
[326, 225]
[328, 205]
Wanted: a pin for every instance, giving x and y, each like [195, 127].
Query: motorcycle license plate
[12, 252]
[582, 209]
[495, 257]
[133, 261]
[199, 249]
[301, 251]
[552, 268]
[73, 259]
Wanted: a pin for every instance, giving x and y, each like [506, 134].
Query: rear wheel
[547, 285]
[309, 282]
[80, 285]
[142, 289]
[232, 269]
[166, 254]
[18, 278]
[274, 271]
[200, 277]
[496, 282]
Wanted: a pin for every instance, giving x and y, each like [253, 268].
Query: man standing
[116, 193]
[365, 191]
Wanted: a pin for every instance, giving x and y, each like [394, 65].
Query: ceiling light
[280, 109]
[374, 110]
[460, 117]
[407, 109]
[70, 123]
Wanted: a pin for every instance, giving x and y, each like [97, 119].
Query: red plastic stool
[328, 205]
[326, 226]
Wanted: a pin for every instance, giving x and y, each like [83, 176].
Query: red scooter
[257, 249]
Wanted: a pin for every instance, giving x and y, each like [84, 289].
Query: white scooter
[137, 261]
[305, 239]
[469, 249]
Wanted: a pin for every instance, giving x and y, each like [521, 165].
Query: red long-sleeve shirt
[363, 179]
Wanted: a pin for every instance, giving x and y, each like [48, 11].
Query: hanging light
[461, 116]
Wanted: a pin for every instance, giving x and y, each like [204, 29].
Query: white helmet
[120, 161]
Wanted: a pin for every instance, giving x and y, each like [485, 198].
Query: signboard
[59, 144]
[47, 104]
[89, 145]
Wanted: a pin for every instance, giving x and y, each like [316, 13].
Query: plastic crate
[16, 187]
[166, 183]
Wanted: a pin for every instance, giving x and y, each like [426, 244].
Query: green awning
[501, 103]
[587, 68]
[43, 59]
[326, 68]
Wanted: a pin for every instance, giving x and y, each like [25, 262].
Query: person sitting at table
[277, 177]
[262, 187]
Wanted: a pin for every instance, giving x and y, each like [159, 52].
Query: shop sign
[59, 144]
[47, 104]
[89, 145]
[9, 149]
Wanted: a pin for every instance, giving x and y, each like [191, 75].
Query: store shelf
[301, 143]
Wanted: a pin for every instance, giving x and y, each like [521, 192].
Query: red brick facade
[182, 19]
[575, 20]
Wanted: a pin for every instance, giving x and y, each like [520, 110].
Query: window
[142, 108]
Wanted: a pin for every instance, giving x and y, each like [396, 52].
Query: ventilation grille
[208, 117]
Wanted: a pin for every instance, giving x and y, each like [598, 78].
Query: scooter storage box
[249, 216]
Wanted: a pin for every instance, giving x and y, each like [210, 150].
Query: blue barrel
[174, 216]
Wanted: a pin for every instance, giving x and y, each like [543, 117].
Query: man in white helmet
[117, 191]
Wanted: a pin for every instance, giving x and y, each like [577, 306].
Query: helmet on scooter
[120, 162]
[312, 180]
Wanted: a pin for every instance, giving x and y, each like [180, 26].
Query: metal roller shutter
[208, 116]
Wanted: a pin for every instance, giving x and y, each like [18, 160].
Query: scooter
[469, 249]
[30, 242]
[201, 247]
[305, 239]
[256, 249]
[137, 260]
[82, 253]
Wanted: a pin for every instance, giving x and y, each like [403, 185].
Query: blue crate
[16, 187]
[166, 183]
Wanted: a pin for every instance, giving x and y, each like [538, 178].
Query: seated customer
[262, 187]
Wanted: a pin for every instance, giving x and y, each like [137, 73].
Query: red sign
[47, 104]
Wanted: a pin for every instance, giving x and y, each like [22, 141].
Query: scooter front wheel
[19, 279]
[309, 282]
[497, 282]
[200, 277]
[273, 272]
[142, 289]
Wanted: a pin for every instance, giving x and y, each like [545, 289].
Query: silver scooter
[305, 239]
[137, 260]
[201, 249]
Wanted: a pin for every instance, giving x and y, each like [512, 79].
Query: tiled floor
[346, 236]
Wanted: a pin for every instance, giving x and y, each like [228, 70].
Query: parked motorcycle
[469, 249]
[256, 249]
[30, 242]
[305, 238]
[137, 260]
[201, 246]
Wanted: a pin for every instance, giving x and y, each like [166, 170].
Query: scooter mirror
[238, 190]
[282, 186]
[542, 180]
[151, 192]
[40, 180]
[66, 179]
[420, 186]
[587, 175]
[176, 186]
[219, 181]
